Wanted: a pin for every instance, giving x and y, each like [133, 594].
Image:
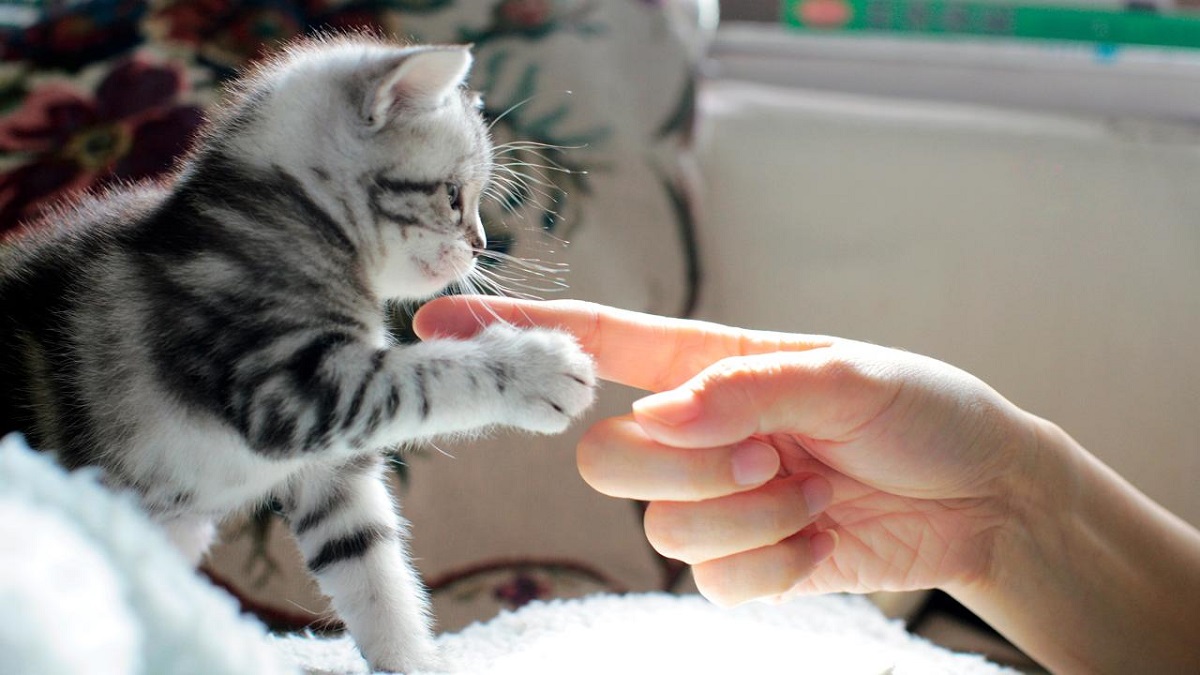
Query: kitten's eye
[454, 195]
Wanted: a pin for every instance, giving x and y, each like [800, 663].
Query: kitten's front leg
[532, 379]
[354, 542]
[346, 396]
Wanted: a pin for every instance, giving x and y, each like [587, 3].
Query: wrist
[1032, 492]
[1088, 574]
[1040, 497]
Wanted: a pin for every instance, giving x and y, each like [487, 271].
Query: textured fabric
[100, 590]
[91, 586]
[658, 633]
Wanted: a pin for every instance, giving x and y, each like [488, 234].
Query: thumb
[824, 394]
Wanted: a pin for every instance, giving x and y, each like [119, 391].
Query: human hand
[780, 464]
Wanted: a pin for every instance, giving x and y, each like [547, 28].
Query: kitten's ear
[424, 77]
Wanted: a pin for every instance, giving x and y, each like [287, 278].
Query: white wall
[1057, 257]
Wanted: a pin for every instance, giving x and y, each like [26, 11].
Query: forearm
[1094, 576]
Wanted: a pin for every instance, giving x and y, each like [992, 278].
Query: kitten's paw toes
[551, 380]
[551, 410]
[555, 397]
[404, 651]
[427, 662]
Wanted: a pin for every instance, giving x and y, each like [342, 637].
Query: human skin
[779, 465]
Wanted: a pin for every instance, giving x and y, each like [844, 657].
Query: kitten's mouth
[452, 264]
[427, 270]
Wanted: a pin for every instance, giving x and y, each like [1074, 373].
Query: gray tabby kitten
[220, 341]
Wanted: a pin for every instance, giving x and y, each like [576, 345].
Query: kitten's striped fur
[218, 342]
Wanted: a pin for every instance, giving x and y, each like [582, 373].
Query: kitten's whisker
[538, 144]
[505, 202]
[561, 242]
[545, 164]
[512, 187]
[497, 275]
[504, 114]
[507, 168]
[495, 189]
[530, 186]
[525, 145]
[504, 291]
[538, 188]
[474, 282]
[492, 279]
[512, 183]
[470, 288]
[443, 452]
[529, 183]
[511, 176]
[537, 161]
[542, 153]
[533, 265]
[550, 164]
[328, 613]
[475, 314]
[520, 260]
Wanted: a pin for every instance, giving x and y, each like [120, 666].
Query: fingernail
[754, 462]
[671, 408]
[817, 493]
[821, 545]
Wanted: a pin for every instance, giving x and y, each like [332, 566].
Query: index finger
[641, 350]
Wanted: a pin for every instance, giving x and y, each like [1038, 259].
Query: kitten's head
[388, 141]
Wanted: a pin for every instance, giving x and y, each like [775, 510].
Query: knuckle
[835, 369]
[734, 377]
[844, 371]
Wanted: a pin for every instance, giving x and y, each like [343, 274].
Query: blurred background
[750, 10]
[1007, 186]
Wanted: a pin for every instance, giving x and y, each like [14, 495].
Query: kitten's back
[46, 271]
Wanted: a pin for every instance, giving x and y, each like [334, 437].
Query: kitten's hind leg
[354, 542]
[192, 535]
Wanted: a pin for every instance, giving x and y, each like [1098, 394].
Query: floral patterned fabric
[594, 101]
[100, 92]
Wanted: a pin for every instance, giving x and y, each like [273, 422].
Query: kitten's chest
[205, 472]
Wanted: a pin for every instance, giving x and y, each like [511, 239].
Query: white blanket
[661, 634]
[88, 585]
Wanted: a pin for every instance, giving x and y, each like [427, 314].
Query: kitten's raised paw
[544, 375]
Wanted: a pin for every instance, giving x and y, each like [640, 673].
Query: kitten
[218, 342]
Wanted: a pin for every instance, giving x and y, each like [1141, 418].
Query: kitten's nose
[475, 236]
